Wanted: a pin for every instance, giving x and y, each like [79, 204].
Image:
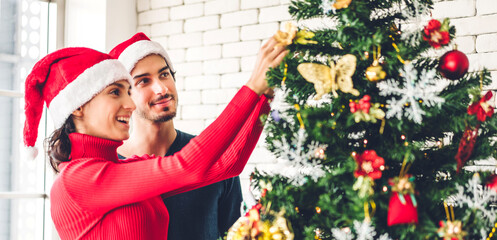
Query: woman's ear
[78, 112]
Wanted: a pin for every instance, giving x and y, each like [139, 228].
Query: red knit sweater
[98, 196]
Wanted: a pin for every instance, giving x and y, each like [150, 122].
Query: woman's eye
[115, 92]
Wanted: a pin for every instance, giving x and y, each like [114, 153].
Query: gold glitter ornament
[375, 72]
[285, 38]
[331, 78]
[303, 37]
[451, 230]
[251, 227]
[290, 35]
[339, 4]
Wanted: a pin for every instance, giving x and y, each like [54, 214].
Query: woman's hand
[270, 55]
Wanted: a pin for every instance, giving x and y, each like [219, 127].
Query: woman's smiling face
[107, 114]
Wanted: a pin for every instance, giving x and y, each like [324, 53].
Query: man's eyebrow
[141, 75]
[163, 69]
[148, 74]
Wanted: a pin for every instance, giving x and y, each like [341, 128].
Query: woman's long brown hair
[58, 144]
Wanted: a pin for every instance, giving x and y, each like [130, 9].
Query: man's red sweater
[98, 196]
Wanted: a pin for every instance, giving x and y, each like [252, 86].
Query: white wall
[98, 24]
[121, 21]
[213, 44]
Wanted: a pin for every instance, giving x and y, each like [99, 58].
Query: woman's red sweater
[98, 196]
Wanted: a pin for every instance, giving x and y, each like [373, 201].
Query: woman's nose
[129, 104]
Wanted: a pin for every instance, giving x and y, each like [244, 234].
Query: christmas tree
[378, 138]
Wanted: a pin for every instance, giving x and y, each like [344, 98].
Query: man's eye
[142, 81]
[165, 74]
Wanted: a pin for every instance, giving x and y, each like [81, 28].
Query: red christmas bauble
[453, 64]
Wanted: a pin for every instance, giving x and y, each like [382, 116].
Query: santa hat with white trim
[65, 80]
[136, 48]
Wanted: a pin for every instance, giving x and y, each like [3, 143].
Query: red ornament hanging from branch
[453, 65]
[402, 208]
[466, 146]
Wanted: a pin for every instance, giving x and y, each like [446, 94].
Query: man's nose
[159, 87]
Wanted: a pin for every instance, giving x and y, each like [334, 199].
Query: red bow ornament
[436, 33]
[370, 164]
[363, 105]
[481, 108]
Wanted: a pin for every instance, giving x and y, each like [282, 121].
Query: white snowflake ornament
[414, 91]
[364, 230]
[297, 163]
[477, 197]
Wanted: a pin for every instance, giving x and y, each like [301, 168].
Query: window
[27, 33]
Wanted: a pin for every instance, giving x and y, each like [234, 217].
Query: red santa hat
[136, 48]
[65, 80]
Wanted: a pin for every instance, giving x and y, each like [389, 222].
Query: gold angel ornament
[331, 78]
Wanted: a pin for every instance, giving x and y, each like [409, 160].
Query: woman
[97, 196]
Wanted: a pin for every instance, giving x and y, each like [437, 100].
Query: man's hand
[270, 55]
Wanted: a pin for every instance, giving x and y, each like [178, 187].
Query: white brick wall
[221, 36]
[166, 28]
[221, 6]
[213, 46]
[239, 18]
[203, 53]
[202, 24]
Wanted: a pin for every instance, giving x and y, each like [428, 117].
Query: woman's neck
[86, 146]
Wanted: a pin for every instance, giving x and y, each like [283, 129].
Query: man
[204, 213]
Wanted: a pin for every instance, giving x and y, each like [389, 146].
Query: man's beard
[156, 118]
[161, 117]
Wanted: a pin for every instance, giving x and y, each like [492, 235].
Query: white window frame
[49, 231]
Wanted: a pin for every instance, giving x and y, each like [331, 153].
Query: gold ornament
[331, 78]
[286, 38]
[251, 227]
[491, 234]
[403, 184]
[339, 4]
[320, 153]
[375, 72]
[451, 230]
[303, 37]
[290, 35]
